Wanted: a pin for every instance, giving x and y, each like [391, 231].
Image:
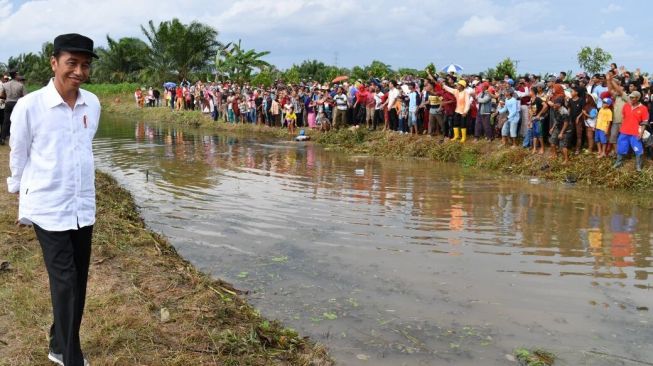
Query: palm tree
[238, 64]
[179, 51]
[34, 67]
[122, 61]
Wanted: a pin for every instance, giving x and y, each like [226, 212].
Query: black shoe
[2, 141]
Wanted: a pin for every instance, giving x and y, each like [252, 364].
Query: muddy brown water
[398, 262]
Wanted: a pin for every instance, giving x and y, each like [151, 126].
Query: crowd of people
[606, 114]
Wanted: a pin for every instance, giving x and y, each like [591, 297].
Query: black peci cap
[73, 42]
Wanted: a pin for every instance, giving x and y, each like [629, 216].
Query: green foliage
[34, 67]
[343, 137]
[358, 72]
[266, 77]
[535, 357]
[405, 71]
[379, 70]
[431, 68]
[490, 73]
[506, 67]
[593, 60]
[179, 51]
[291, 76]
[122, 61]
[314, 70]
[103, 90]
[238, 64]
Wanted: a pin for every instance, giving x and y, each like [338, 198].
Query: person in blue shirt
[598, 89]
[511, 105]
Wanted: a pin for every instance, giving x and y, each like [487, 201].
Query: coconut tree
[238, 64]
[34, 66]
[121, 61]
[178, 51]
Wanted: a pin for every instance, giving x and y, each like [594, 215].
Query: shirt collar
[53, 98]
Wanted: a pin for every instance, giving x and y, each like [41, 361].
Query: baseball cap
[607, 101]
[462, 82]
[635, 94]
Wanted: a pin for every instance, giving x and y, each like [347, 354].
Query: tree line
[174, 51]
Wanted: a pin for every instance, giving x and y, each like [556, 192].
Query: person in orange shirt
[462, 108]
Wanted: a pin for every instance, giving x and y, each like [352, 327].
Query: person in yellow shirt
[603, 121]
[291, 120]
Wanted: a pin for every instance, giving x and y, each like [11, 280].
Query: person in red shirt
[179, 98]
[359, 105]
[635, 119]
[448, 107]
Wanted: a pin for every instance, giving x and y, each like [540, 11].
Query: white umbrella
[453, 68]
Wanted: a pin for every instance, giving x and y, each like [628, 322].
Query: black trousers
[449, 125]
[300, 119]
[394, 119]
[67, 255]
[6, 123]
[378, 118]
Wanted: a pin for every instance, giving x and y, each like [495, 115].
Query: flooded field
[398, 262]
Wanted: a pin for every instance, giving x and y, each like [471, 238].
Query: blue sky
[544, 36]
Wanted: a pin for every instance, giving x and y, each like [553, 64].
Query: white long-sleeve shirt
[51, 159]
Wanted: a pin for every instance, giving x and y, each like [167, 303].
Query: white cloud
[617, 34]
[612, 8]
[5, 8]
[483, 26]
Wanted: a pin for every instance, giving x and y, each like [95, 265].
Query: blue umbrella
[453, 68]
[376, 82]
[169, 84]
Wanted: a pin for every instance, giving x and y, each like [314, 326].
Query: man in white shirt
[52, 170]
[393, 94]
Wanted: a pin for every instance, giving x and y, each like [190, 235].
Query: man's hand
[560, 136]
[20, 225]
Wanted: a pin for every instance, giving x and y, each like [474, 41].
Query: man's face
[634, 100]
[71, 69]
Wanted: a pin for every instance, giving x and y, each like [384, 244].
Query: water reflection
[406, 255]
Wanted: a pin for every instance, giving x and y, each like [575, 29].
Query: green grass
[535, 357]
[101, 90]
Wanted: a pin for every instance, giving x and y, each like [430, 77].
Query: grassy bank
[584, 169]
[145, 306]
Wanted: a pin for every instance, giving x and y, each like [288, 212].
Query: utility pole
[336, 58]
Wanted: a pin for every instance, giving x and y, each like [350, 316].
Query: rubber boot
[638, 162]
[463, 131]
[619, 162]
[456, 133]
